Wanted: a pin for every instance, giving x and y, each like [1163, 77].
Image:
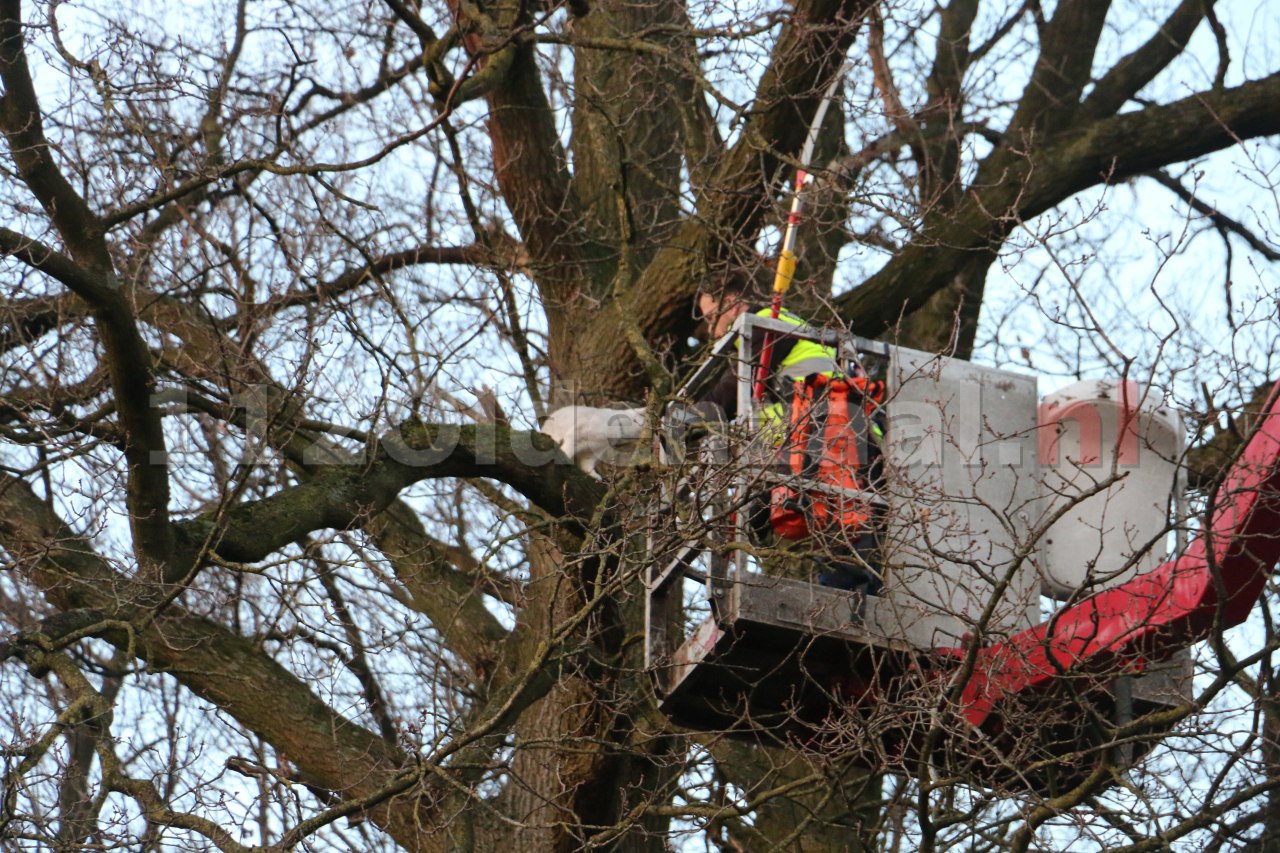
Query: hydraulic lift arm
[1213, 585]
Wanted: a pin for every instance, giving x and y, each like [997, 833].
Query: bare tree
[287, 562]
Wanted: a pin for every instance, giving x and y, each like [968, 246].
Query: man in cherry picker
[826, 426]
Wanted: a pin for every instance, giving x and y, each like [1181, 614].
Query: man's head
[723, 300]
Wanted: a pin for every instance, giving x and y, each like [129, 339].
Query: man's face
[720, 313]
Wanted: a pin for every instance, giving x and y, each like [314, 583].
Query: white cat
[590, 435]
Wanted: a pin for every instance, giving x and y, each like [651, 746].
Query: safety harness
[833, 442]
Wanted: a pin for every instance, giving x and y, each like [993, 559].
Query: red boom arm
[1213, 585]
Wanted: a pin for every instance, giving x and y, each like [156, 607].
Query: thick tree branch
[951, 61]
[1141, 66]
[128, 359]
[1130, 144]
[1067, 45]
[343, 496]
[949, 318]
[78, 806]
[1013, 188]
[23, 127]
[702, 141]
[627, 149]
[809, 52]
[89, 285]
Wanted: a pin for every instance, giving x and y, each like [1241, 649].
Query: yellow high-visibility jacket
[793, 360]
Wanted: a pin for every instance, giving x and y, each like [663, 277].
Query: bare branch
[472, 255]
[1218, 218]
